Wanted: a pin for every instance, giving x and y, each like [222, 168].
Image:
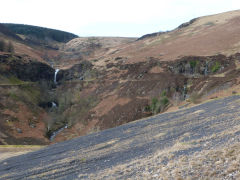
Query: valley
[95, 83]
[164, 105]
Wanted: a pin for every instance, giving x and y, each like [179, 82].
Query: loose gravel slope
[200, 142]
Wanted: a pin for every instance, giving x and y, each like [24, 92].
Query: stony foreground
[202, 142]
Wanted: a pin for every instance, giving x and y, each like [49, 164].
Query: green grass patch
[164, 93]
[215, 67]
[15, 80]
[12, 80]
[158, 105]
[193, 63]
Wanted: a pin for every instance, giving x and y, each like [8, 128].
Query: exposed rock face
[150, 35]
[199, 65]
[80, 71]
[186, 24]
[25, 69]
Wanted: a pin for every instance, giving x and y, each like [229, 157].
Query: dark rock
[151, 35]
[26, 70]
[46, 104]
[118, 58]
[199, 65]
[78, 71]
[186, 24]
[110, 65]
[19, 130]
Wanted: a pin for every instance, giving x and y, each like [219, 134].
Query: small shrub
[164, 93]
[215, 67]
[153, 105]
[164, 101]
[158, 105]
[147, 108]
[193, 63]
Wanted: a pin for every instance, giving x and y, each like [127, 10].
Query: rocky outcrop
[200, 65]
[186, 24]
[80, 71]
[151, 35]
[25, 69]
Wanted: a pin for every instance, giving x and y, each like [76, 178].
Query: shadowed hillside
[40, 32]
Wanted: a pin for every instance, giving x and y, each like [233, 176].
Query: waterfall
[54, 105]
[55, 76]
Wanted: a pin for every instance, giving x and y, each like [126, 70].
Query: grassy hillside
[204, 36]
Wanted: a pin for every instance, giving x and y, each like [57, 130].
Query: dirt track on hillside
[124, 152]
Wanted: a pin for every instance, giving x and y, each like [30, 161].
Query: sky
[124, 18]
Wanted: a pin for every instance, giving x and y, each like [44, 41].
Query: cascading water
[55, 133]
[54, 105]
[184, 91]
[55, 76]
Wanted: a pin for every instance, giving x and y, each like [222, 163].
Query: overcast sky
[132, 18]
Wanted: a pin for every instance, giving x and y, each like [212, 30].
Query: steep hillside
[104, 82]
[205, 36]
[24, 85]
[160, 72]
[28, 92]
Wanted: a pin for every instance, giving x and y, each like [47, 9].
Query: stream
[54, 105]
[55, 133]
